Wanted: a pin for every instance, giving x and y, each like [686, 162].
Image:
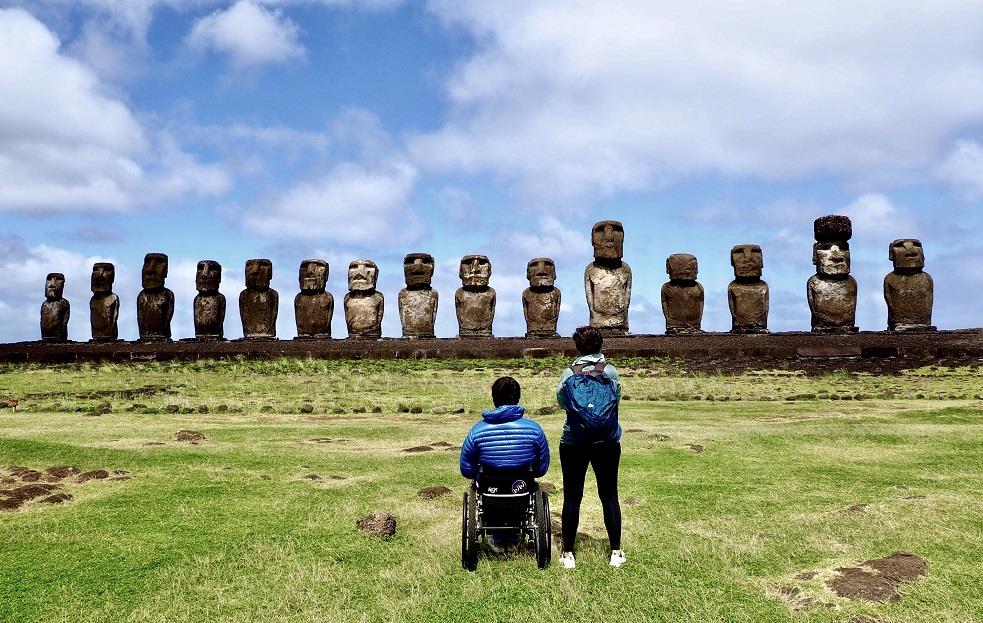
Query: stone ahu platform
[723, 352]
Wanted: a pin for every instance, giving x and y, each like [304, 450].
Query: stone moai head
[362, 275]
[475, 271]
[54, 286]
[831, 253]
[608, 238]
[418, 270]
[681, 267]
[208, 276]
[907, 253]
[259, 272]
[313, 276]
[103, 276]
[541, 272]
[747, 260]
[154, 271]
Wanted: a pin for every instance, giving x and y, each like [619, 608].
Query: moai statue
[313, 305]
[541, 300]
[104, 304]
[55, 310]
[209, 307]
[747, 294]
[909, 290]
[364, 305]
[418, 300]
[259, 303]
[607, 280]
[682, 296]
[155, 303]
[832, 292]
[475, 300]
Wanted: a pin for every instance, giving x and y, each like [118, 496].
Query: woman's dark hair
[588, 340]
[506, 391]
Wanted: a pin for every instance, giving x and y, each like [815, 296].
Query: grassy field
[797, 476]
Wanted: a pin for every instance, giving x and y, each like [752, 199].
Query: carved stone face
[541, 272]
[209, 276]
[154, 270]
[831, 258]
[103, 275]
[362, 275]
[907, 253]
[54, 286]
[418, 269]
[681, 266]
[608, 238]
[475, 270]
[258, 273]
[747, 260]
[313, 275]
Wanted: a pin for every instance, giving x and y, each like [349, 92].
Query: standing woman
[589, 392]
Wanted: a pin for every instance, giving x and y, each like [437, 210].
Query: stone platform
[724, 352]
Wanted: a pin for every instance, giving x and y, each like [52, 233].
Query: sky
[344, 129]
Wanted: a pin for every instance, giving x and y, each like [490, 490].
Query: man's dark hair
[506, 391]
[588, 340]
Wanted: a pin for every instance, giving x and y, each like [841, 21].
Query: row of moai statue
[832, 294]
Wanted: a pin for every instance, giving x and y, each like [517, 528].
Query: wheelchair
[505, 501]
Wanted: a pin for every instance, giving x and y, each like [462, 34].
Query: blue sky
[342, 129]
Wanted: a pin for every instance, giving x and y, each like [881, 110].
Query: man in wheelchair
[503, 454]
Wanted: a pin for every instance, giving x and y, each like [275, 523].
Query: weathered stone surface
[104, 304]
[607, 280]
[364, 305]
[909, 291]
[682, 296]
[209, 305]
[541, 300]
[747, 294]
[418, 300]
[832, 292]
[55, 310]
[155, 303]
[475, 301]
[258, 302]
[313, 305]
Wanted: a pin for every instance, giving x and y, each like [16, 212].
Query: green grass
[229, 530]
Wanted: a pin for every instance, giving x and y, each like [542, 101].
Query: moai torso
[607, 280]
[313, 305]
[55, 310]
[418, 300]
[541, 300]
[747, 294]
[832, 292]
[682, 297]
[155, 303]
[209, 304]
[475, 301]
[364, 305]
[908, 291]
[259, 303]
[104, 304]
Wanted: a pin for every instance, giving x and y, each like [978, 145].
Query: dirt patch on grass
[26, 474]
[878, 579]
[379, 523]
[695, 447]
[430, 493]
[856, 508]
[95, 474]
[60, 472]
[635, 430]
[806, 575]
[313, 477]
[418, 449]
[631, 501]
[12, 499]
[191, 436]
[58, 498]
[659, 437]
[440, 444]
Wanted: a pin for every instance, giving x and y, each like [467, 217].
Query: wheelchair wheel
[543, 538]
[469, 531]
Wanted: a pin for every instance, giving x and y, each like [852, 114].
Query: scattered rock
[337, 410]
[105, 407]
[58, 498]
[548, 410]
[307, 408]
[312, 477]
[377, 409]
[203, 409]
[189, 435]
[172, 408]
[187, 410]
[358, 410]
[222, 408]
[266, 409]
[95, 474]
[264, 476]
[431, 493]
[416, 410]
[59, 472]
[879, 579]
[625, 397]
[418, 449]
[695, 447]
[379, 523]
[137, 406]
[653, 398]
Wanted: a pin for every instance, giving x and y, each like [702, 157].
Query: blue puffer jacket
[503, 439]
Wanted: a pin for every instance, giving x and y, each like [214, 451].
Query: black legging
[604, 458]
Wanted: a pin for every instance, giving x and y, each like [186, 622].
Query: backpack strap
[579, 369]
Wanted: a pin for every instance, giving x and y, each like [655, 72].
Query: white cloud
[554, 240]
[584, 99]
[962, 169]
[67, 145]
[250, 34]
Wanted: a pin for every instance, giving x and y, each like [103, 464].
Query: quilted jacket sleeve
[469, 457]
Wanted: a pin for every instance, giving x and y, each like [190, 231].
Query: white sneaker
[617, 557]
[567, 561]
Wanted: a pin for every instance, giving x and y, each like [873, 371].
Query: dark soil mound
[418, 449]
[659, 437]
[95, 474]
[11, 499]
[856, 508]
[547, 486]
[58, 498]
[440, 444]
[635, 430]
[24, 473]
[312, 477]
[430, 493]
[189, 435]
[695, 447]
[60, 472]
[379, 523]
[878, 579]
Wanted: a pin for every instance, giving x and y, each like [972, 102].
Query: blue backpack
[592, 404]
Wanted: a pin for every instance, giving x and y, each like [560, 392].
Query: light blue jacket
[588, 362]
